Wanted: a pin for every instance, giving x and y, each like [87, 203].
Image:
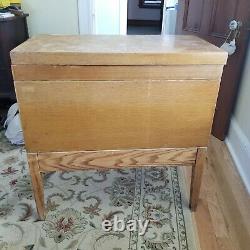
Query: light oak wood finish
[222, 216]
[86, 73]
[116, 114]
[37, 184]
[63, 161]
[71, 161]
[234, 197]
[128, 99]
[197, 177]
[117, 50]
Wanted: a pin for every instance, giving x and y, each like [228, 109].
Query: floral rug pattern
[78, 202]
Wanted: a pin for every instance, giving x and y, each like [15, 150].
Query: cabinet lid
[117, 50]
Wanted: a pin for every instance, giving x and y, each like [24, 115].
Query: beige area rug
[78, 202]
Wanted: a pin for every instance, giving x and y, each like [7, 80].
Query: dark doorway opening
[144, 17]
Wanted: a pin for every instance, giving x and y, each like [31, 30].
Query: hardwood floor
[223, 213]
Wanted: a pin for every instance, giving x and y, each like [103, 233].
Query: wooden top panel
[117, 50]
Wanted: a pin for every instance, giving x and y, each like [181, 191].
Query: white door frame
[87, 17]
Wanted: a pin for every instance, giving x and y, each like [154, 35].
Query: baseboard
[134, 22]
[239, 148]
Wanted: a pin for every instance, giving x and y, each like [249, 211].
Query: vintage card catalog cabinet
[116, 101]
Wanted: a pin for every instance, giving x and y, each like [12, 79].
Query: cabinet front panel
[97, 115]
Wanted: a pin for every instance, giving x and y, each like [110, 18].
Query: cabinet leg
[37, 184]
[197, 171]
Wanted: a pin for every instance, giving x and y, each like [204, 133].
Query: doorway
[151, 17]
[144, 17]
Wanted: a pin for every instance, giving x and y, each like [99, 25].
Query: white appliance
[169, 17]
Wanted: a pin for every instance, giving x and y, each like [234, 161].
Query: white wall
[52, 16]
[170, 3]
[86, 16]
[136, 13]
[242, 111]
[169, 17]
[70, 17]
[238, 139]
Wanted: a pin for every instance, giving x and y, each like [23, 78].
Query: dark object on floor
[4, 107]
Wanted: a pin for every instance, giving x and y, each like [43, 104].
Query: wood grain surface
[106, 159]
[117, 50]
[98, 102]
[99, 115]
[64, 73]
[37, 184]
[197, 171]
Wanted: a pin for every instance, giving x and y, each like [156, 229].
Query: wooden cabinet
[115, 101]
[13, 31]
